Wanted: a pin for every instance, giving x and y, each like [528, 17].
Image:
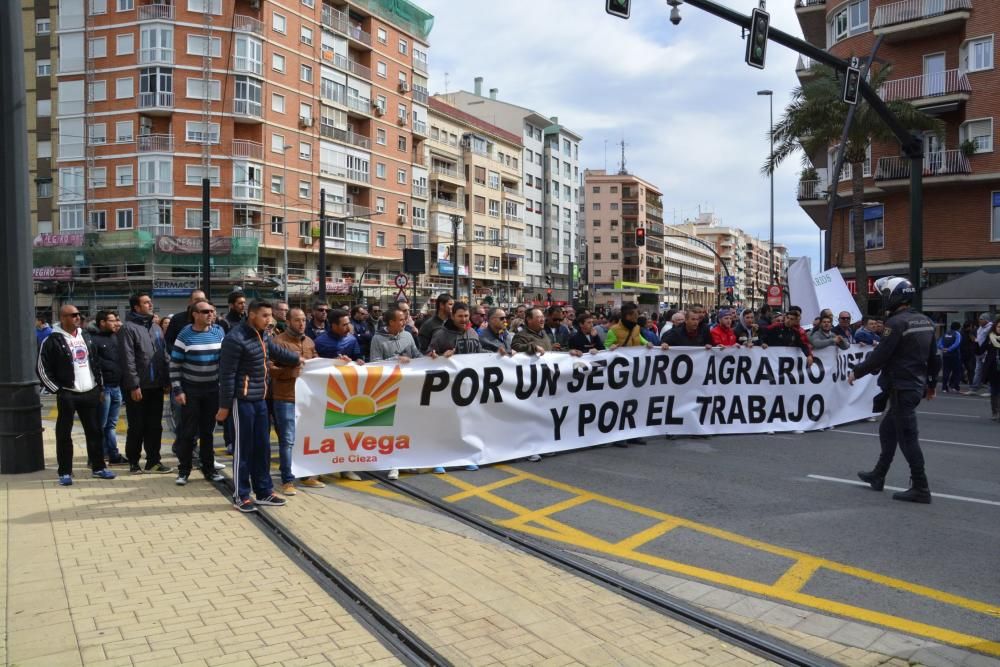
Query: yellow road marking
[798, 574]
[471, 491]
[546, 511]
[643, 536]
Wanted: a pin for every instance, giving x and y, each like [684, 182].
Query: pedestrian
[824, 335]
[723, 334]
[645, 328]
[280, 316]
[968, 349]
[293, 339]
[338, 341]
[907, 364]
[843, 328]
[181, 319]
[985, 326]
[145, 376]
[495, 337]
[689, 332]
[164, 324]
[68, 366]
[788, 333]
[586, 339]
[194, 378]
[317, 324]
[243, 389]
[626, 333]
[747, 331]
[867, 334]
[532, 339]
[990, 349]
[106, 347]
[237, 310]
[410, 324]
[554, 327]
[477, 318]
[42, 330]
[443, 305]
[363, 329]
[951, 358]
[765, 317]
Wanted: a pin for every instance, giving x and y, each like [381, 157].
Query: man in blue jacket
[338, 341]
[243, 387]
[951, 357]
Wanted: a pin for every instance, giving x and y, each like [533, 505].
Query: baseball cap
[985, 317]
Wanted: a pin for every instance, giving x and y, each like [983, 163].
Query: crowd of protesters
[238, 368]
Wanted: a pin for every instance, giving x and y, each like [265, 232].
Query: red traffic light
[640, 236]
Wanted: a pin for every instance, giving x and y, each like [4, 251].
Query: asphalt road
[765, 488]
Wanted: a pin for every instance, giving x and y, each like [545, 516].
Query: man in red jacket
[722, 333]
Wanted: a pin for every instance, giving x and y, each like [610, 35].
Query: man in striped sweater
[194, 378]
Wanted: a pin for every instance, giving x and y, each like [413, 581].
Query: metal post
[570, 299]
[916, 227]
[680, 296]
[21, 414]
[284, 223]
[770, 132]
[454, 257]
[206, 237]
[321, 267]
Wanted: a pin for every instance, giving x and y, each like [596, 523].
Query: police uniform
[908, 361]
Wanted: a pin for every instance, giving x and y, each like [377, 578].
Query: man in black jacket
[145, 377]
[106, 345]
[243, 389]
[237, 311]
[444, 304]
[181, 320]
[68, 367]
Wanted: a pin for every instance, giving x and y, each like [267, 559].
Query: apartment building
[475, 190]
[274, 103]
[551, 177]
[688, 269]
[942, 58]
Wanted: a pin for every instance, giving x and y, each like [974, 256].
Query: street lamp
[770, 97]
[284, 220]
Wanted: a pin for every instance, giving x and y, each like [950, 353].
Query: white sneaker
[872, 419]
[768, 432]
[181, 480]
[220, 466]
[534, 458]
[798, 432]
[353, 476]
[393, 474]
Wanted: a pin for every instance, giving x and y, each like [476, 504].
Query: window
[44, 148]
[404, 48]
[379, 239]
[192, 219]
[380, 204]
[98, 91]
[382, 36]
[306, 73]
[851, 19]
[201, 89]
[995, 230]
[123, 218]
[401, 143]
[306, 36]
[277, 143]
[494, 180]
[98, 177]
[43, 67]
[305, 110]
[98, 221]
[305, 189]
[277, 62]
[874, 217]
[379, 170]
[381, 69]
[43, 188]
[278, 23]
[277, 103]
[97, 134]
[401, 176]
[380, 136]
[123, 175]
[156, 176]
[71, 218]
[202, 45]
[277, 184]
[977, 54]
[126, 5]
[596, 206]
[205, 6]
[305, 150]
[43, 27]
[401, 208]
[98, 7]
[277, 224]
[596, 189]
[124, 88]
[380, 102]
[198, 132]
[125, 44]
[494, 208]
[250, 55]
[979, 132]
[99, 47]
[247, 180]
[194, 174]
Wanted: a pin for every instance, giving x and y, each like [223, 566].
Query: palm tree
[814, 121]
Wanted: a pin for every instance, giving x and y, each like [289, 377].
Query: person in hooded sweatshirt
[394, 341]
[68, 366]
[455, 337]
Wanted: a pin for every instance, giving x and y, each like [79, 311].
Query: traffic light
[729, 295]
[640, 237]
[619, 8]
[760, 21]
[852, 81]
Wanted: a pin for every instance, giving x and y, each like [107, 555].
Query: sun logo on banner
[362, 396]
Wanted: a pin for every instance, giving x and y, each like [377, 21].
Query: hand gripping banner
[483, 408]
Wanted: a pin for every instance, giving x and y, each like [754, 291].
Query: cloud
[681, 96]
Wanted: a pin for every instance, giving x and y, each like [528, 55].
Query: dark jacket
[744, 335]
[494, 343]
[679, 337]
[363, 331]
[991, 364]
[450, 337]
[951, 344]
[177, 322]
[331, 346]
[313, 331]
[142, 353]
[427, 329]
[243, 371]
[231, 319]
[527, 340]
[865, 336]
[55, 362]
[845, 332]
[584, 343]
[907, 355]
[779, 335]
[559, 335]
[106, 344]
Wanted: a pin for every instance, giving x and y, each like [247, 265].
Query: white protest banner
[802, 291]
[482, 408]
[832, 293]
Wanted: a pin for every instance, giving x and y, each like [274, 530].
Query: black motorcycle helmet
[895, 292]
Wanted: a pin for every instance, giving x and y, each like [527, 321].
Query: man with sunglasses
[843, 328]
[68, 367]
[194, 377]
[494, 337]
[317, 324]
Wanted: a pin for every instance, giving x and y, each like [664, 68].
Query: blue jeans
[284, 426]
[108, 419]
[253, 449]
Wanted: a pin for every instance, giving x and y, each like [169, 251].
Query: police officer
[908, 361]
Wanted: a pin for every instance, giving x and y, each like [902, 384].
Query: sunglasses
[845, 318]
[205, 312]
[73, 314]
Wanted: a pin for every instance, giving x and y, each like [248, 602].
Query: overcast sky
[681, 95]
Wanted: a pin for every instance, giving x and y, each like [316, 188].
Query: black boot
[919, 491]
[874, 478]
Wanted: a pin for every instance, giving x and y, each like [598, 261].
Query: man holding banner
[908, 363]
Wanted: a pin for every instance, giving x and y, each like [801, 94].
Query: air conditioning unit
[404, 87]
[305, 121]
[401, 219]
[307, 240]
[379, 111]
[401, 121]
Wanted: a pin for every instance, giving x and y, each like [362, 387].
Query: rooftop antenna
[605, 156]
[623, 171]
[445, 83]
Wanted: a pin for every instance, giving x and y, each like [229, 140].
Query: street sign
[401, 281]
[729, 281]
[773, 295]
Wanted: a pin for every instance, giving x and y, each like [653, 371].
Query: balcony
[806, 68]
[348, 64]
[449, 174]
[513, 217]
[156, 12]
[812, 190]
[338, 21]
[160, 55]
[420, 94]
[420, 65]
[513, 191]
[420, 127]
[156, 102]
[248, 233]
[450, 204]
[950, 86]
[812, 19]
[910, 19]
[357, 175]
[942, 163]
[247, 24]
[345, 136]
[155, 143]
[247, 110]
[251, 150]
[359, 105]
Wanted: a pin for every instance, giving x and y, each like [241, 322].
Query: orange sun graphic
[362, 395]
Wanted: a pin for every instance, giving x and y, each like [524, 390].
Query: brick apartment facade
[273, 101]
[942, 55]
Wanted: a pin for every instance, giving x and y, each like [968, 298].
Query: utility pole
[322, 245]
[770, 132]
[21, 414]
[206, 237]
[455, 220]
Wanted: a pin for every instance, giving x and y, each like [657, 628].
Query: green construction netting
[402, 14]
